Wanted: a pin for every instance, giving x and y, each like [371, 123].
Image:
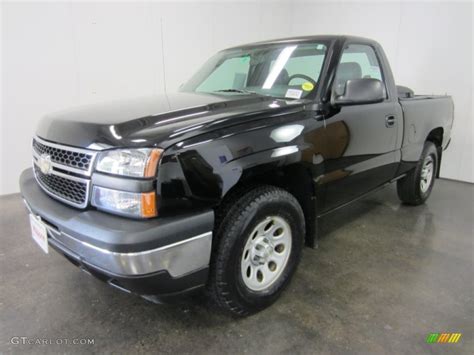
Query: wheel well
[436, 137]
[294, 178]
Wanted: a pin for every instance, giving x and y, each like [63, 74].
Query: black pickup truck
[220, 185]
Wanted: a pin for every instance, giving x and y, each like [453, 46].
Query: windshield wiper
[240, 91]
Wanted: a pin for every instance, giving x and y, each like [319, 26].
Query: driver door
[361, 138]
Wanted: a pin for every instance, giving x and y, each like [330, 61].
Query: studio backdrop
[57, 55]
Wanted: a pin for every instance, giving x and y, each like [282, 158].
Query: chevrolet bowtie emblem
[45, 164]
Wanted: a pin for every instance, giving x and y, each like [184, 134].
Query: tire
[252, 226]
[415, 188]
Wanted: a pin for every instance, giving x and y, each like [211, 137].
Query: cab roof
[305, 39]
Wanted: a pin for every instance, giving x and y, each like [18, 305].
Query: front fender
[260, 163]
[200, 172]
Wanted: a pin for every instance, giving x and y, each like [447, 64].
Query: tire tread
[230, 216]
[408, 187]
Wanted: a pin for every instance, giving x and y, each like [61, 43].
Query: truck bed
[423, 114]
[422, 97]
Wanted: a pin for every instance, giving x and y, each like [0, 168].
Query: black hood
[155, 121]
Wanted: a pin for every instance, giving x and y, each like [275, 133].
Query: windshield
[278, 70]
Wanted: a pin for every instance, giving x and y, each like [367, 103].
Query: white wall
[56, 55]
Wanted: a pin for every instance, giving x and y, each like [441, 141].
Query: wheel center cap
[261, 250]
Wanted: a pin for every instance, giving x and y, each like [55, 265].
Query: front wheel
[258, 248]
[415, 188]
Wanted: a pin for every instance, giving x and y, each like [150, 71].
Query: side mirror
[360, 91]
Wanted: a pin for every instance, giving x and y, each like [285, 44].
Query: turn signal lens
[152, 163]
[133, 204]
[148, 208]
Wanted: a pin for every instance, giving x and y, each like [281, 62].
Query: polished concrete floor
[383, 277]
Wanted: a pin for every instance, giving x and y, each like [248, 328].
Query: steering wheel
[302, 76]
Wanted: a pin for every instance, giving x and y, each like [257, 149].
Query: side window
[358, 61]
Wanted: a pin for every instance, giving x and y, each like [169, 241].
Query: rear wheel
[415, 188]
[257, 250]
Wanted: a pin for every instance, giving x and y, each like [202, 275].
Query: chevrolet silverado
[220, 185]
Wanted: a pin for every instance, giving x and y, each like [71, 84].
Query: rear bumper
[148, 257]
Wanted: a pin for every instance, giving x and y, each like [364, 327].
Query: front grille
[74, 158]
[74, 192]
[63, 172]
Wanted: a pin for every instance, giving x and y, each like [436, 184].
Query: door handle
[389, 121]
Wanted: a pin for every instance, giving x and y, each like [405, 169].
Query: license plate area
[39, 233]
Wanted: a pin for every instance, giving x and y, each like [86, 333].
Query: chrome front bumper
[178, 259]
[121, 248]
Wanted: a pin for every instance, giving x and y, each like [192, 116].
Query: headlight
[125, 203]
[129, 162]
